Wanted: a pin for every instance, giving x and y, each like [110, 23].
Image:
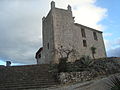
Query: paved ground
[98, 84]
[91, 85]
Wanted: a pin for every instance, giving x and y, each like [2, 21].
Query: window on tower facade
[48, 45]
[95, 36]
[84, 43]
[83, 32]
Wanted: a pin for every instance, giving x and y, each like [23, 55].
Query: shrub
[53, 68]
[86, 61]
[93, 50]
[98, 66]
[62, 66]
[107, 66]
[114, 83]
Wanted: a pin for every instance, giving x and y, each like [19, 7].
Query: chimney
[69, 8]
[52, 4]
[8, 63]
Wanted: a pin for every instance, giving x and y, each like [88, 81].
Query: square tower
[64, 38]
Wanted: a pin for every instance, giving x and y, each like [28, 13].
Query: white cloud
[118, 41]
[20, 27]
[108, 44]
[115, 52]
[85, 11]
[113, 47]
[107, 34]
[20, 24]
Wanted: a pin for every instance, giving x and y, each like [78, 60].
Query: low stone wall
[77, 71]
[69, 77]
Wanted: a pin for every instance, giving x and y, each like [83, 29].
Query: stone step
[29, 81]
[35, 75]
[29, 84]
[20, 87]
[24, 77]
[28, 76]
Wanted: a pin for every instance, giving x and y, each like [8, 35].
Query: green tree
[62, 66]
[93, 50]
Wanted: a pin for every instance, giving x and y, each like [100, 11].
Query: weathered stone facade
[60, 31]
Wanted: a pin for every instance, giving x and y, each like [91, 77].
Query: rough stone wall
[68, 35]
[70, 77]
[99, 44]
[63, 26]
[48, 39]
[59, 30]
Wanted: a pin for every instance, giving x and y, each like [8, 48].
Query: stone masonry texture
[59, 30]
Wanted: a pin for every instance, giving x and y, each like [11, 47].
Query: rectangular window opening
[83, 32]
[84, 43]
[48, 45]
[95, 36]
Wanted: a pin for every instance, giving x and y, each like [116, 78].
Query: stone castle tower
[61, 36]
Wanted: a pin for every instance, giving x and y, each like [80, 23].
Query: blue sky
[112, 20]
[13, 64]
[20, 25]
[112, 25]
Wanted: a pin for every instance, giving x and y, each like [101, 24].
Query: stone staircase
[26, 77]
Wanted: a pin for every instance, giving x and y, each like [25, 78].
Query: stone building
[62, 36]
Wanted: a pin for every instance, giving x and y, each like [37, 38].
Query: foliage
[71, 67]
[102, 66]
[86, 61]
[53, 68]
[107, 66]
[62, 66]
[114, 83]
